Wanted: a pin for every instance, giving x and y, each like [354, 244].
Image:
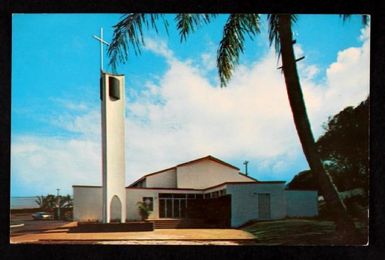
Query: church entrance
[194, 210]
[175, 205]
[115, 210]
[172, 207]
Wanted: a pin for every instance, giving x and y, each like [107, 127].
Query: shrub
[144, 211]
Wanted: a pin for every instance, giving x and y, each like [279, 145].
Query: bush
[68, 215]
[144, 211]
[357, 207]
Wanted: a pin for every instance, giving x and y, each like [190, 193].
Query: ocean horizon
[25, 202]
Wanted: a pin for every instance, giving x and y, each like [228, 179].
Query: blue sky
[175, 110]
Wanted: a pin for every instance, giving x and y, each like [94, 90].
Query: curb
[18, 225]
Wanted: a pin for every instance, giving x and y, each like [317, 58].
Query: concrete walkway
[158, 236]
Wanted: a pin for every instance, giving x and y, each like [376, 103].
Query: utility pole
[58, 204]
[245, 163]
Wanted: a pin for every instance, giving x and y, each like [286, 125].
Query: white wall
[301, 203]
[133, 196]
[244, 201]
[166, 179]
[206, 173]
[87, 203]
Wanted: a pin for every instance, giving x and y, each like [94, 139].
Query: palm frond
[273, 21]
[186, 23]
[232, 43]
[129, 32]
[39, 201]
[365, 18]
[66, 201]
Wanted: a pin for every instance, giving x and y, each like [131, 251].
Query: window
[199, 196]
[101, 88]
[149, 201]
[165, 195]
[114, 88]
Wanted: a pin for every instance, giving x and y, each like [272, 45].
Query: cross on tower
[101, 47]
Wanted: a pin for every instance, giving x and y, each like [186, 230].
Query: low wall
[87, 204]
[23, 211]
[113, 227]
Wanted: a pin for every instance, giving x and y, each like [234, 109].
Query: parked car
[42, 216]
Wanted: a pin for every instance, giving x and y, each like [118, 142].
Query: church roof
[209, 157]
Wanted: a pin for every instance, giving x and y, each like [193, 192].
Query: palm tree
[46, 202]
[129, 31]
[65, 201]
[49, 202]
[40, 201]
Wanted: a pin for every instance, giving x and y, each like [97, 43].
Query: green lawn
[299, 232]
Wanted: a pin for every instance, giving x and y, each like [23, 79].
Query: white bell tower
[113, 147]
[113, 143]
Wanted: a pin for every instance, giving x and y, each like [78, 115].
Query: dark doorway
[264, 206]
[115, 209]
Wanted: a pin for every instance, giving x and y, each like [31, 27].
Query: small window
[114, 88]
[149, 201]
[165, 195]
[101, 88]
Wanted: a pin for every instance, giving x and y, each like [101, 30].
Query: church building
[206, 188]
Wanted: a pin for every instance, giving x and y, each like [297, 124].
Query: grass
[299, 232]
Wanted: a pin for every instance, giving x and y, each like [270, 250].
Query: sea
[23, 202]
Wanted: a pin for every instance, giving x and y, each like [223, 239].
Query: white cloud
[71, 105]
[159, 47]
[86, 123]
[347, 83]
[208, 61]
[183, 116]
[48, 163]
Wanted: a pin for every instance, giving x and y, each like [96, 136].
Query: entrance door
[264, 206]
[166, 208]
[171, 208]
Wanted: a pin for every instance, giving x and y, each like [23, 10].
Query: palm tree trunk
[343, 222]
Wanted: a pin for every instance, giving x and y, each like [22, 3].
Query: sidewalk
[158, 236]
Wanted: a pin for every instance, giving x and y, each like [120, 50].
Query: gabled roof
[209, 157]
[247, 176]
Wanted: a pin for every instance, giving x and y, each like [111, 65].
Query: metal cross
[101, 47]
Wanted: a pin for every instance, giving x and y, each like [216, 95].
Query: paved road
[32, 226]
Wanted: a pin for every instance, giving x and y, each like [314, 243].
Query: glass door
[171, 208]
